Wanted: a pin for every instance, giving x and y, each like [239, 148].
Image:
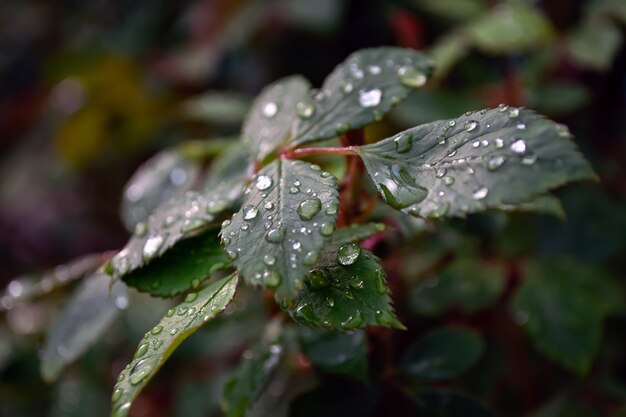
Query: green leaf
[271, 119]
[448, 403]
[444, 353]
[32, 286]
[562, 305]
[467, 283]
[341, 353]
[346, 290]
[229, 171]
[159, 343]
[360, 91]
[288, 213]
[166, 175]
[254, 373]
[355, 233]
[498, 158]
[181, 268]
[511, 27]
[594, 44]
[180, 218]
[85, 319]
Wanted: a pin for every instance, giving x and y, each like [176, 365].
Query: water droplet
[305, 110]
[471, 125]
[156, 329]
[231, 254]
[268, 205]
[250, 212]
[480, 193]
[374, 69]
[192, 224]
[270, 109]
[353, 322]
[499, 143]
[296, 245]
[381, 286]
[271, 278]
[309, 208]
[452, 152]
[412, 77]
[191, 297]
[332, 208]
[451, 123]
[263, 182]
[448, 180]
[347, 87]
[495, 162]
[518, 146]
[348, 254]
[141, 350]
[327, 229]
[502, 107]
[275, 235]
[513, 113]
[170, 312]
[476, 144]
[304, 313]
[529, 160]
[400, 190]
[139, 372]
[140, 229]
[311, 257]
[294, 190]
[521, 126]
[117, 394]
[152, 246]
[317, 279]
[122, 410]
[225, 223]
[440, 172]
[404, 143]
[356, 282]
[563, 131]
[370, 97]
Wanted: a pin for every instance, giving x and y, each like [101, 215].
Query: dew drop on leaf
[370, 97]
[191, 297]
[139, 372]
[311, 257]
[270, 109]
[480, 193]
[513, 113]
[276, 235]
[412, 77]
[529, 160]
[518, 146]
[353, 322]
[332, 208]
[327, 229]
[440, 172]
[271, 278]
[250, 212]
[471, 125]
[348, 254]
[317, 279]
[231, 254]
[263, 182]
[305, 110]
[140, 229]
[269, 260]
[499, 143]
[347, 87]
[152, 246]
[309, 208]
[495, 162]
[502, 107]
[192, 224]
[268, 205]
[403, 143]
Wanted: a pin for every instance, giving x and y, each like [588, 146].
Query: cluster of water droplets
[341, 286]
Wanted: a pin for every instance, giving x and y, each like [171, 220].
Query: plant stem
[303, 152]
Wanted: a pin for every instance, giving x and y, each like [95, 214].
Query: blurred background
[90, 89]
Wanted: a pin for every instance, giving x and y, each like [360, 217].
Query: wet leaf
[273, 113]
[166, 175]
[180, 218]
[594, 44]
[467, 283]
[254, 373]
[159, 343]
[288, 213]
[511, 27]
[336, 352]
[360, 91]
[355, 233]
[346, 290]
[562, 305]
[29, 287]
[84, 320]
[499, 158]
[181, 268]
[444, 353]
